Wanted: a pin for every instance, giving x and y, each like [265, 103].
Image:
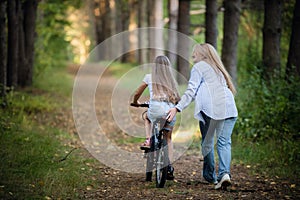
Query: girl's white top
[148, 80]
[210, 92]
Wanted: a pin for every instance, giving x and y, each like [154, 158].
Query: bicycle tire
[161, 164]
[150, 160]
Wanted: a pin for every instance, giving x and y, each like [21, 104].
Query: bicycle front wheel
[161, 164]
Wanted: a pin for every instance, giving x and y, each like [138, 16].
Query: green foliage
[267, 130]
[267, 127]
[268, 108]
[52, 48]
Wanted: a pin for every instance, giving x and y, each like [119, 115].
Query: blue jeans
[223, 130]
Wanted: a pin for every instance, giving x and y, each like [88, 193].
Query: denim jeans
[159, 109]
[223, 130]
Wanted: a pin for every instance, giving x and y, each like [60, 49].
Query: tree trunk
[150, 6]
[113, 22]
[124, 9]
[172, 37]
[98, 22]
[118, 47]
[22, 59]
[12, 43]
[271, 38]
[106, 27]
[293, 63]
[156, 35]
[102, 27]
[2, 47]
[230, 39]
[211, 26]
[27, 24]
[101, 15]
[143, 36]
[183, 46]
[133, 37]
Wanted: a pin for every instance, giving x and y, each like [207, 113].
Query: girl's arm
[139, 92]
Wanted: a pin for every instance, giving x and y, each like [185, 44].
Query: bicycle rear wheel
[161, 164]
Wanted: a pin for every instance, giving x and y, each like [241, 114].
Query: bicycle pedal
[145, 148]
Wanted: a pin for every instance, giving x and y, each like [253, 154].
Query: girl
[163, 96]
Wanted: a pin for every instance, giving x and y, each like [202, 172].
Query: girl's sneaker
[170, 174]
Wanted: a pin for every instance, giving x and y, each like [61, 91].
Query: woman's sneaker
[170, 174]
[224, 183]
[204, 181]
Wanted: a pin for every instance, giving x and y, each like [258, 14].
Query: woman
[163, 96]
[211, 87]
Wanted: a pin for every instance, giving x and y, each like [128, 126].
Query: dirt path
[117, 184]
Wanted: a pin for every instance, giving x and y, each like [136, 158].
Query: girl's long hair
[164, 85]
[207, 53]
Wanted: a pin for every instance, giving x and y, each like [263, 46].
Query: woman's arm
[192, 89]
[139, 92]
[189, 95]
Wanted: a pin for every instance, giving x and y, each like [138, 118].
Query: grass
[267, 158]
[131, 140]
[30, 166]
[30, 151]
[54, 81]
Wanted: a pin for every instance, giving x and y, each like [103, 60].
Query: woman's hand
[171, 114]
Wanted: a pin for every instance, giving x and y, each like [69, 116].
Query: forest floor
[188, 183]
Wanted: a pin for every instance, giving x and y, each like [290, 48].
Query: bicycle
[157, 155]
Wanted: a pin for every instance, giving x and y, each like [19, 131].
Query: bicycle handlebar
[145, 104]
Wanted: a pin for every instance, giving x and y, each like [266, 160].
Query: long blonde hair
[207, 53]
[164, 85]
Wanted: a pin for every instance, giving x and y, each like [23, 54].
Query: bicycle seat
[163, 124]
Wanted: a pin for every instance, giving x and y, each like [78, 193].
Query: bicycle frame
[157, 155]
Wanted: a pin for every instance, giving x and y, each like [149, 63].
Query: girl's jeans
[223, 130]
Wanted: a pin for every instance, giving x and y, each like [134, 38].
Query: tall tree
[118, 21]
[113, 26]
[271, 37]
[103, 24]
[211, 26]
[156, 36]
[143, 36]
[172, 39]
[230, 38]
[2, 47]
[182, 45]
[12, 43]
[27, 24]
[124, 9]
[293, 63]
[150, 21]
[133, 37]
[98, 22]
